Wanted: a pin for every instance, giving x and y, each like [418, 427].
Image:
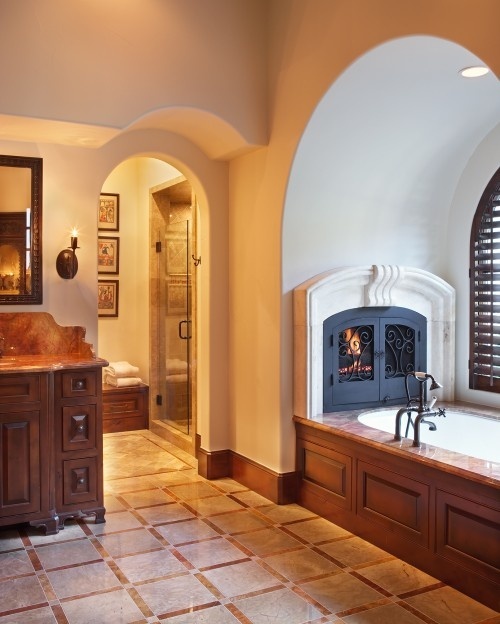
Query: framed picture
[177, 293]
[108, 254]
[109, 211]
[176, 254]
[107, 297]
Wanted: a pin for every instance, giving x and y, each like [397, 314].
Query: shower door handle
[187, 336]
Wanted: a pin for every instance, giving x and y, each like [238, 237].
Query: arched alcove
[375, 174]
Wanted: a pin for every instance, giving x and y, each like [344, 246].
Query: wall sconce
[67, 262]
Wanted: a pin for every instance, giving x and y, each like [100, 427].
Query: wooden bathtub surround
[50, 423]
[438, 510]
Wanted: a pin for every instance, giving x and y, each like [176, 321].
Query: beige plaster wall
[312, 43]
[215, 57]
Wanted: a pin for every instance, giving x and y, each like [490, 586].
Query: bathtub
[436, 508]
[461, 432]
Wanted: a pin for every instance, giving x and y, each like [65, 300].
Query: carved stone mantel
[344, 288]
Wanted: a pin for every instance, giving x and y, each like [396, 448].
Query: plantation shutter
[485, 291]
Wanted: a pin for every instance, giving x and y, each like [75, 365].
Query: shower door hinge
[159, 399]
[158, 246]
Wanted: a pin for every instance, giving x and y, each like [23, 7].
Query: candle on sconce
[74, 239]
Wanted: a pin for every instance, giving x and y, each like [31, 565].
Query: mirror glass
[20, 230]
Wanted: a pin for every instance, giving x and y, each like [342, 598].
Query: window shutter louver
[485, 291]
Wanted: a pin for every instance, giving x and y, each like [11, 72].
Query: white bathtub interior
[468, 434]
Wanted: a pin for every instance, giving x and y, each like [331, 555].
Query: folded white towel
[121, 369]
[122, 382]
[175, 366]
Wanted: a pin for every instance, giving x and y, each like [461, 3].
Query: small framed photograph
[108, 254]
[109, 211]
[177, 294]
[107, 297]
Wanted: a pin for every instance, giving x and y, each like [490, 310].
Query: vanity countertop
[47, 363]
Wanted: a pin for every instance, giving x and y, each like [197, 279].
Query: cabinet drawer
[19, 388]
[79, 427]
[79, 480]
[79, 383]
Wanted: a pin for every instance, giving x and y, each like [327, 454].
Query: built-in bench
[125, 408]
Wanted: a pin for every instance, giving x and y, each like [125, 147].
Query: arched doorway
[139, 331]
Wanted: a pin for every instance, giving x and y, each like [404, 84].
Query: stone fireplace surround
[346, 288]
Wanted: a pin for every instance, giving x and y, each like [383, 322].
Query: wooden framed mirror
[20, 230]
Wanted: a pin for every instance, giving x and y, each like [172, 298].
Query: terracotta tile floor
[179, 549]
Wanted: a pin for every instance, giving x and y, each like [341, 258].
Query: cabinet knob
[80, 428]
[79, 384]
[80, 480]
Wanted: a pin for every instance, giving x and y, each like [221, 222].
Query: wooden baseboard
[213, 464]
[281, 489]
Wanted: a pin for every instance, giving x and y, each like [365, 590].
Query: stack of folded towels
[121, 374]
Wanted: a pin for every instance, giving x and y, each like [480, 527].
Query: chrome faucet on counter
[423, 409]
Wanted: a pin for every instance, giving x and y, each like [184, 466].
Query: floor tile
[317, 530]
[147, 498]
[211, 552]
[397, 576]
[214, 505]
[83, 579]
[341, 592]
[197, 489]
[252, 499]
[286, 513]
[72, 530]
[448, 606]
[186, 531]
[165, 513]
[21, 592]
[239, 521]
[15, 563]
[67, 553]
[34, 616]
[384, 615]
[212, 615]
[171, 595]
[147, 566]
[229, 485]
[268, 541]
[353, 551]
[303, 564]
[129, 542]
[119, 521]
[277, 606]
[10, 540]
[111, 503]
[115, 607]
[241, 578]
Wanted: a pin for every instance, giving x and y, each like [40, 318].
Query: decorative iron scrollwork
[399, 350]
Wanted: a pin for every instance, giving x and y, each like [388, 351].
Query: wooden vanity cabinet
[25, 476]
[78, 443]
[50, 423]
[51, 446]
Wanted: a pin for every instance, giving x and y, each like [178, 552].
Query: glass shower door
[178, 326]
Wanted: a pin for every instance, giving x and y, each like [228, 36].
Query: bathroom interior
[243, 223]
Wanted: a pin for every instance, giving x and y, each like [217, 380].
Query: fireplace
[367, 353]
[429, 307]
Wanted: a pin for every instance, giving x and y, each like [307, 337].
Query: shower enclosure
[172, 288]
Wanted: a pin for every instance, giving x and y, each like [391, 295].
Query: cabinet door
[19, 463]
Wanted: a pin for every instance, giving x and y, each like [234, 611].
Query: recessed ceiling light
[474, 72]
